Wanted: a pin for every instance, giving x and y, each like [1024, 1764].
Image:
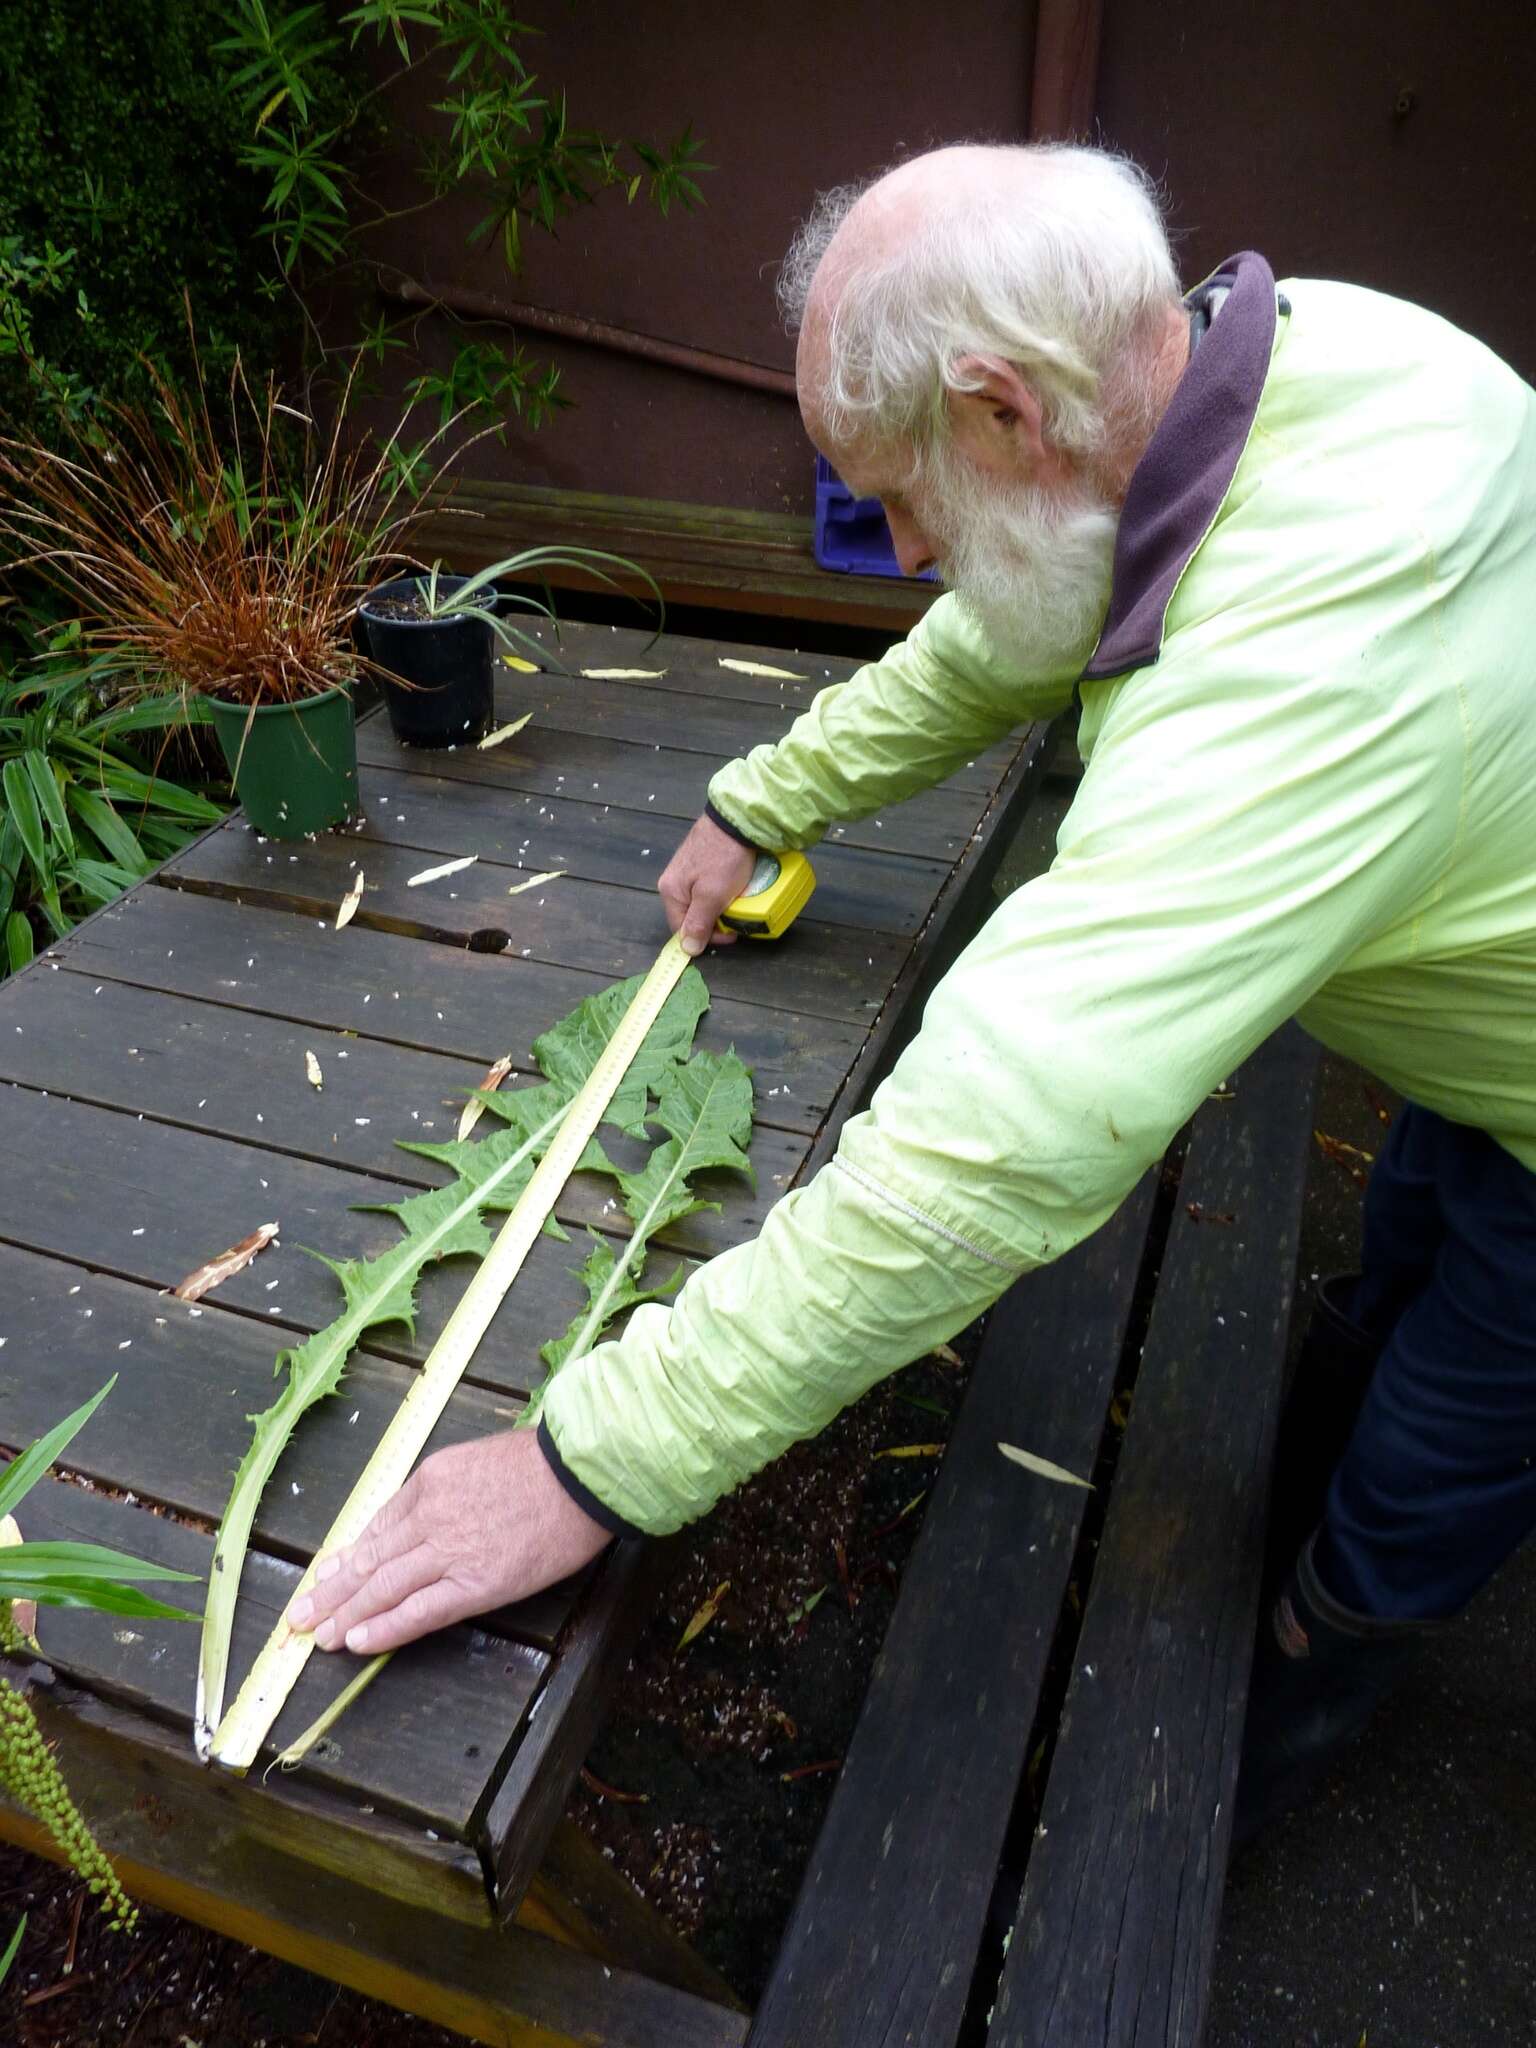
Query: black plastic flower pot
[434, 674]
[294, 765]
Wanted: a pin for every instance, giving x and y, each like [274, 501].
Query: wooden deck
[157, 1109]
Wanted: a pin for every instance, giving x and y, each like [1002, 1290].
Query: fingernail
[327, 1568]
[325, 1634]
[357, 1638]
[299, 1613]
[693, 946]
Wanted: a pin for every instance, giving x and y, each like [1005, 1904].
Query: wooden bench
[709, 555]
[1028, 1840]
[155, 1108]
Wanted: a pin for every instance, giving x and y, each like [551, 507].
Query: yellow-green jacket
[1309, 727]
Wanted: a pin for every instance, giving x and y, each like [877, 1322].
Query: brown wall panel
[1387, 142]
[789, 98]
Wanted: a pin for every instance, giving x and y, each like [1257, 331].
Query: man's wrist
[719, 819]
[597, 1510]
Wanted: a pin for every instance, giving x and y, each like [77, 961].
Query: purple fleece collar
[1179, 484]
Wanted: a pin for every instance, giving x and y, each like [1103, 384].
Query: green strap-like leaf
[21, 801]
[22, 1474]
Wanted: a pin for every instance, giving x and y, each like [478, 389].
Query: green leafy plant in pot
[433, 639]
[220, 556]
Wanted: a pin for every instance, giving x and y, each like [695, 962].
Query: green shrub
[121, 185]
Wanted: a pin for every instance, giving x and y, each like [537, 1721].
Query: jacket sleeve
[897, 726]
[1237, 837]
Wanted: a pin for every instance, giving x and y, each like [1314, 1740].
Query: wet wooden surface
[154, 1108]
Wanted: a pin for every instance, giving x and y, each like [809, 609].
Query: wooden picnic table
[157, 1109]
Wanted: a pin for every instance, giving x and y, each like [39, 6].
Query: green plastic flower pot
[294, 765]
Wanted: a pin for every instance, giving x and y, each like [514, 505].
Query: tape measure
[779, 889]
[276, 1670]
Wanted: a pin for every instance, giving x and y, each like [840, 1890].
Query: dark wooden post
[1064, 80]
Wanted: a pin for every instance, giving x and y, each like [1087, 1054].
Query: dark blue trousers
[1438, 1484]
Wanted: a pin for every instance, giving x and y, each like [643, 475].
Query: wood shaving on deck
[502, 732]
[446, 867]
[474, 1109]
[348, 908]
[761, 668]
[217, 1270]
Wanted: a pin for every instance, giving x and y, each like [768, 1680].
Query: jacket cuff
[719, 818]
[583, 1496]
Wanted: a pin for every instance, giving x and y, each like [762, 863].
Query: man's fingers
[433, 1606]
[339, 1576]
[395, 1580]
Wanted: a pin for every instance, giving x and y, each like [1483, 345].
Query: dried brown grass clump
[198, 554]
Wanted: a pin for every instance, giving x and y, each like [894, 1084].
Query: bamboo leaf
[447, 867]
[346, 910]
[761, 668]
[215, 1271]
[505, 732]
[1043, 1467]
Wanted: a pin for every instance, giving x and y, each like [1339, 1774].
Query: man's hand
[709, 870]
[472, 1528]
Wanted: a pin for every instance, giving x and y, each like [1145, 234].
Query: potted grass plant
[220, 552]
[433, 638]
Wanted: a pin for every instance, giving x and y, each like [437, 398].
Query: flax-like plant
[213, 549]
[60, 1575]
[478, 596]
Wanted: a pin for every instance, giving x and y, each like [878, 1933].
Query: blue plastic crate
[851, 533]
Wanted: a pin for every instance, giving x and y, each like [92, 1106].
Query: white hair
[1058, 273]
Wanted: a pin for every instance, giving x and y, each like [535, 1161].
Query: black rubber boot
[1338, 1356]
[1319, 1673]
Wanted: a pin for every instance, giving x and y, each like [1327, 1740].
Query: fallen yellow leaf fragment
[948, 1353]
[624, 675]
[502, 732]
[349, 902]
[474, 1109]
[446, 867]
[312, 1071]
[23, 1612]
[524, 668]
[705, 1615]
[761, 668]
[534, 881]
[912, 1451]
[208, 1276]
[1043, 1467]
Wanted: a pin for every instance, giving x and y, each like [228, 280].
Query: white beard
[1032, 567]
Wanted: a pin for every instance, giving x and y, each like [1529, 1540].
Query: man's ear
[1001, 407]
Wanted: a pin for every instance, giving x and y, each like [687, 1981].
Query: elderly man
[1280, 545]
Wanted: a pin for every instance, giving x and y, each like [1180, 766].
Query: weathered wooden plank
[1117, 1926]
[148, 1202]
[421, 1740]
[231, 1074]
[884, 1936]
[817, 968]
[693, 664]
[67, 1331]
[459, 1005]
[695, 722]
[531, 1797]
[543, 761]
[274, 1866]
[868, 889]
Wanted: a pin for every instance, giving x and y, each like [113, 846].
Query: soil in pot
[294, 765]
[435, 673]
